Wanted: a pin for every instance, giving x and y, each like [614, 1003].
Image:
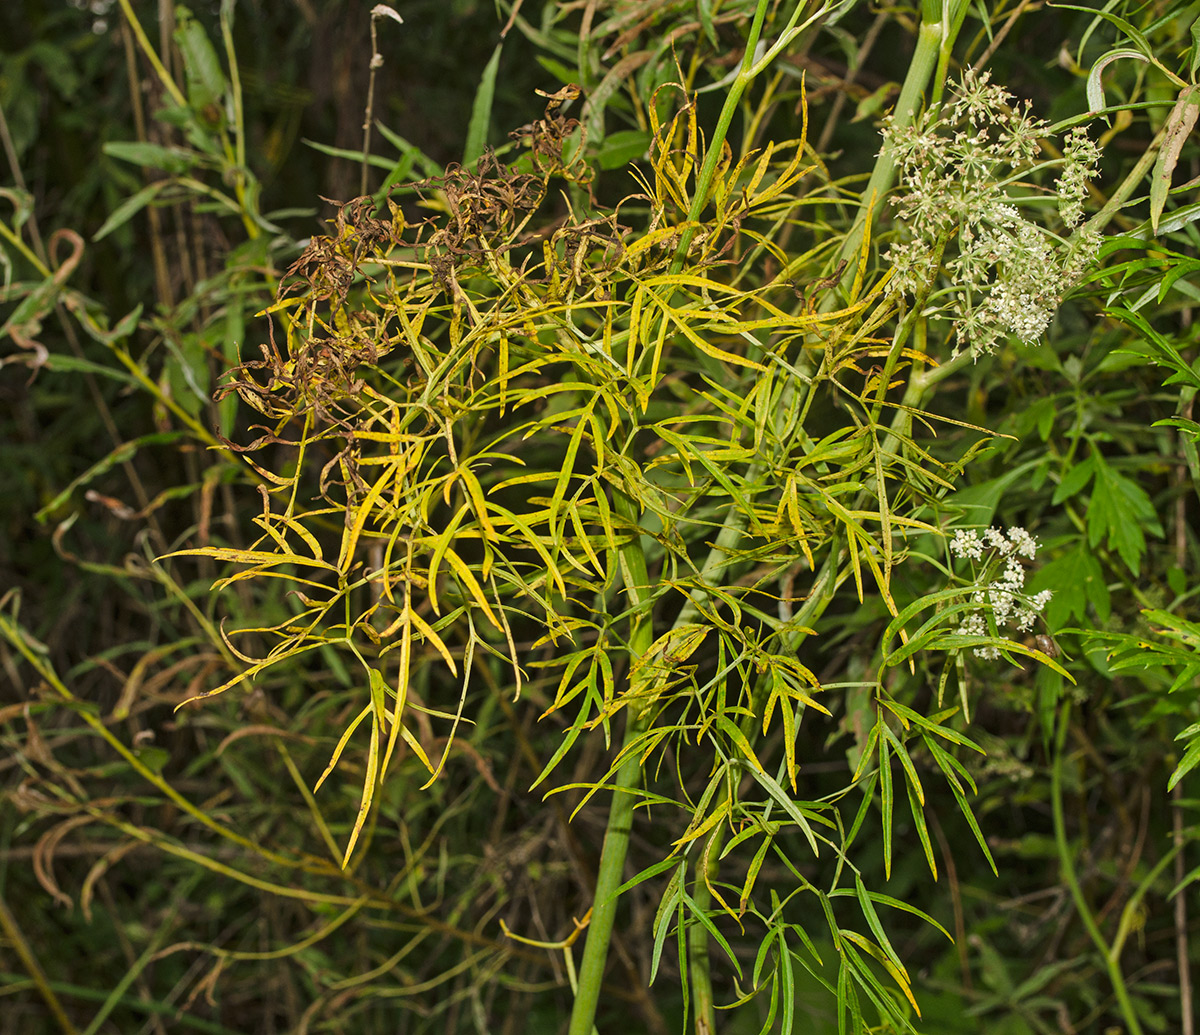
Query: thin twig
[377, 12]
[1182, 955]
[16, 938]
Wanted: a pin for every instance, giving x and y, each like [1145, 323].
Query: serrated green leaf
[1119, 511]
[1077, 582]
[1074, 481]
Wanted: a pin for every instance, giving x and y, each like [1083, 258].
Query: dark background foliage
[104, 901]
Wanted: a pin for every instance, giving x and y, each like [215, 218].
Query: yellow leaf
[364, 511]
[426, 630]
[261, 557]
[341, 745]
[472, 585]
[710, 821]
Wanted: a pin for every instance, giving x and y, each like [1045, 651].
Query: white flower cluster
[1000, 583]
[1081, 155]
[1009, 275]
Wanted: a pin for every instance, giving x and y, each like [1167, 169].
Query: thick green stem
[934, 39]
[620, 815]
[749, 71]
[636, 578]
[823, 591]
[700, 973]
[608, 879]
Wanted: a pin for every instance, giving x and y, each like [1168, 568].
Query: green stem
[16, 938]
[934, 40]
[698, 962]
[1067, 863]
[1187, 444]
[15, 240]
[164, 77]
[746, 74]
[239, 170]
[636, 578]
[707, 866]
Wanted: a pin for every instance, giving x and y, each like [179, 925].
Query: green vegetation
[707, 548]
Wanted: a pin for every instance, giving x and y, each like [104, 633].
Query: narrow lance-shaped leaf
[887, 800]
[481, 109]
[1176, 131]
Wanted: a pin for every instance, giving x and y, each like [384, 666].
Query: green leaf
[1119, 511]
[705, 921]
[783, 799]
[671, 903]
[1095, 85]
[646, 874]
[1176, 131]
[154, 758]
[1167, 352]
[979, 502]
[1180, 267]
[1191, 759]
[894, 903]
[917, 808]
[1077, 582]
[481, 110]
[932, 631]
[1076, 478]
[72, 364]
[787, 986]
[948, 765]
[123, 452]
[428, 166]
[906, 763]
[887, 800]
[399, 172]
[1177, 579]
[130, 207]
[173, 160]
[1182, 423]
[872, 918]
[1195, 47]
[377, 161]
[704, 10]
[623, 147]
[22, 203]
[206, 83]
[925, 723]
[187, 371]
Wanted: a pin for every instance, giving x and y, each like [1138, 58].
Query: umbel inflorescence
[999, 581]
[959, 165]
